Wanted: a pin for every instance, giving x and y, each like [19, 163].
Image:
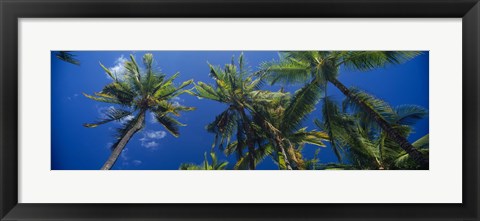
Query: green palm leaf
[215, 165]
[260, 155]
[382, 108]
[410, 114]
[169, 123]
[368, 60]
[287, 71]
[112, 114]
[67, 57]
[302, 104]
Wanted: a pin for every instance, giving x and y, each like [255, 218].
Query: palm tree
[215, 165]
[368, 146]
[67, 56]
[137, 92]
[320, 67]
[263, 121]
[234, 88]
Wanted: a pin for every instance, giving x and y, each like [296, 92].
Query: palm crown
[235, 88]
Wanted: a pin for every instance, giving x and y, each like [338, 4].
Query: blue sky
[75, 147]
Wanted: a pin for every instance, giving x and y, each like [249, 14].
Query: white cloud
[176, 101]
[150, 144]
[126, 119]
[155, 134]
[126, 159]
[149, 139]
[119, 69]
[152, 118]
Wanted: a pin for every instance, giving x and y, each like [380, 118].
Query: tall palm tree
[233, 87]
[318, 68]
[67, 56]
[137, 92]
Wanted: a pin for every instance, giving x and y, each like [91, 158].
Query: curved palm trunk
[392, 133]
[123, 142]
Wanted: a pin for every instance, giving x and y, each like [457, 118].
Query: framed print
[176, 110]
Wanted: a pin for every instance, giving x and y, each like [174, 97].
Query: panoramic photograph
[239, 110]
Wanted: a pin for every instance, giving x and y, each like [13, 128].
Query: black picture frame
[12, 10]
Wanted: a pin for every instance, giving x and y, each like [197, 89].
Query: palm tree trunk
[251, 154]
[391, 132]
[284, 153]
[123, 141]
[250, 142]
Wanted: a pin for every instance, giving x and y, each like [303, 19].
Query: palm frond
[133, 71]
[214, 165]
[103, 98]
[410, 114]
[382, 108]
[206, 91]
[310, 137]
[120, 91]
[368, 60]
[286, 71]
[330, 112]
[170, 123]
[67, 57]
[422, 143]
[189, 166]
[225, 124]
[111, 114]
[108, 71]
[171, 91]
[260, 155]
[302, 104]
